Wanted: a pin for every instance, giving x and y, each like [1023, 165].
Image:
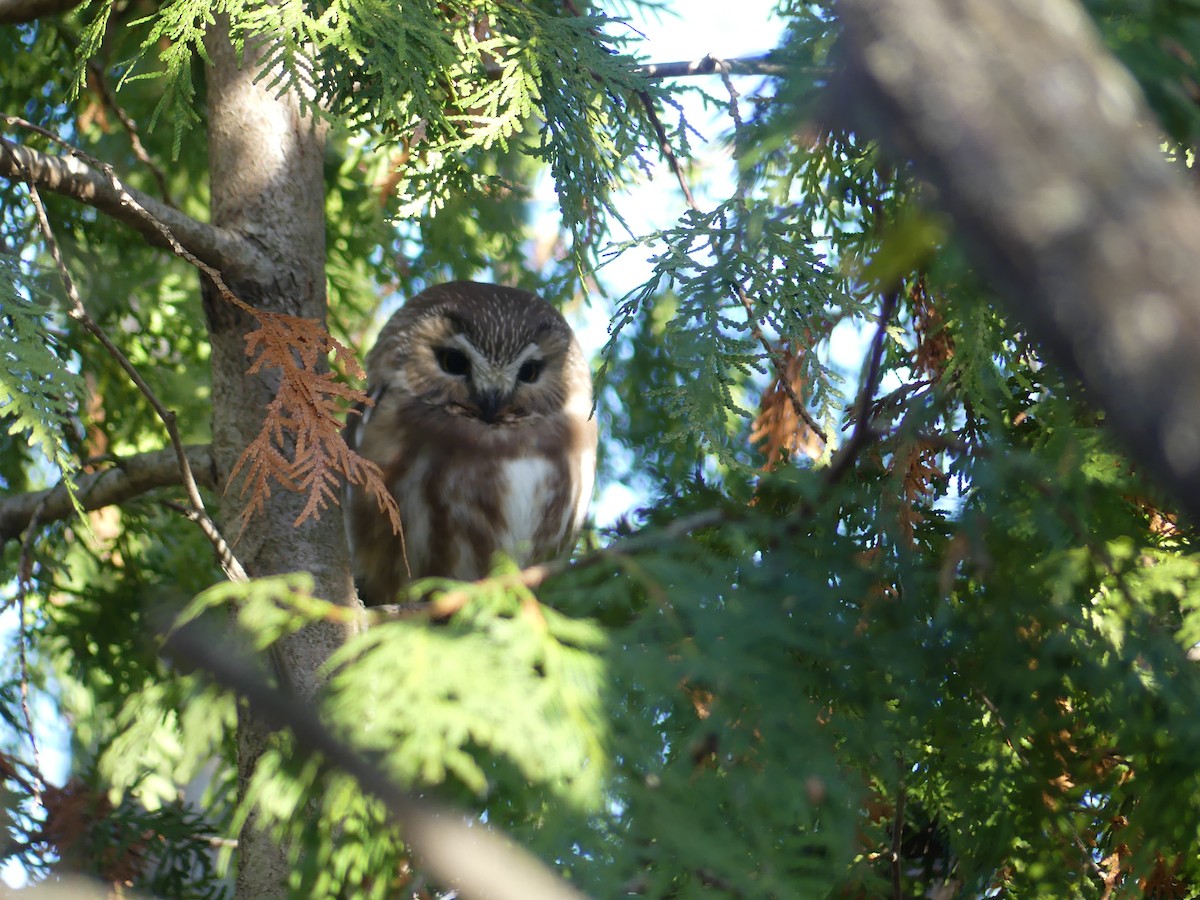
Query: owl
[482, 425]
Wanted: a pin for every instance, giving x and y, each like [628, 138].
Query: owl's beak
[490, 403]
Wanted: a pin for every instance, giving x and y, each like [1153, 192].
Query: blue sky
[696, 29]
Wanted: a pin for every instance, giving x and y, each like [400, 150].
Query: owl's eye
[530, 371]
[453, 362]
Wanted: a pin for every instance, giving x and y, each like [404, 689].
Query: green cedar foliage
[39, 394]
[951, 659]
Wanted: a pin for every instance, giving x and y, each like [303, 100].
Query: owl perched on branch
[482, 426]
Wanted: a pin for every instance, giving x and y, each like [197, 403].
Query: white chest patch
[527, 486]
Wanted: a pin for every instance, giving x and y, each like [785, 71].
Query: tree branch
[709, 65]
[128, 478]
[459, 852]
[862, 433]
[1036, 140]
[74, 178]
[13, 12]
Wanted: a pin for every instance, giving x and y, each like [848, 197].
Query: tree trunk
[267, 184]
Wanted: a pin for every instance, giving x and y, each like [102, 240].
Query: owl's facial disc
[491, 385]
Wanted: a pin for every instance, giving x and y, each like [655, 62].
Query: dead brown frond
[778, 430]
[935, 346]
[1164, 882]
[919, 469]
[300, 446]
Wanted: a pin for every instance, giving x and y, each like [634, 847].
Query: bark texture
[1041, 146]
[127, 478]
[268, 187]
[74, 178]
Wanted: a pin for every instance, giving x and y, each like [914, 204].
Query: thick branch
[128, 478]
[13, 12]
[1040, 145]
[74, 178]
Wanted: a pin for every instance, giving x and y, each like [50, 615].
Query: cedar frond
[778, 431]
[935, 345]
[300, 446]
[919, 469]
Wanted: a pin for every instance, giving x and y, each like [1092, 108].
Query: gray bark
[126, 478]
[1042, 148]
[74, 178]
[267, 181]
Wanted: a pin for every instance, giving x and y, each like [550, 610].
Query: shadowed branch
[127, 478]
[13, 12]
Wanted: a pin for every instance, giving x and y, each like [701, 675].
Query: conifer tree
[917, 625]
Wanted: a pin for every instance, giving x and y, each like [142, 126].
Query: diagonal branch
[74, 178]
[862, 433]
[13, 12]
[128, 478]
[475, 858]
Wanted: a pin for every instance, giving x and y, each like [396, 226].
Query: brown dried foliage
[1164, 882]
[1162, 524]
[935, 346]
[919, 468]
[74, 814]
[917, 462]
[777, 430]
[300, 446]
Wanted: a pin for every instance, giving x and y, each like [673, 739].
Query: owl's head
[491, 353]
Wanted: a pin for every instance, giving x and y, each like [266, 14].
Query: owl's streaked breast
[466, 494]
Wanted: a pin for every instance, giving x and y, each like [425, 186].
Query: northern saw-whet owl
[482, 425]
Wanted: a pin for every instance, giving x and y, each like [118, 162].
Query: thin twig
[452, 601]
[763, 65]
[776, 356]
[24, 578]
[897, 839]
[8, 765]
[866, 394]
[747, 65]
[229, 563]
[22, 644]
[225, 555]
[667, 151]
[135, 140]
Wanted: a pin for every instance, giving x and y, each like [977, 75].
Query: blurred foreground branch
[457, 850]
[1040, 145]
